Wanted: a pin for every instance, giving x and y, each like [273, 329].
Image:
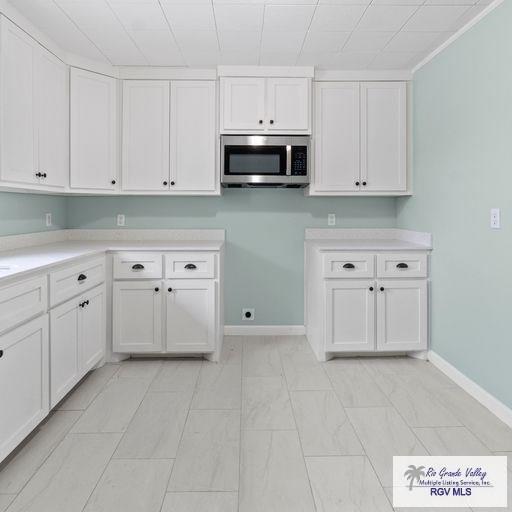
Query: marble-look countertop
[18, 262]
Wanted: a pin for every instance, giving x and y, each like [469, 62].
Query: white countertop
[17, 262]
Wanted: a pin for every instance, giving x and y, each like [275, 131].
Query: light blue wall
[264, 232]
[462, 168]
[25, 213]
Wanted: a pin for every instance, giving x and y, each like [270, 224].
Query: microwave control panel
[299, 161]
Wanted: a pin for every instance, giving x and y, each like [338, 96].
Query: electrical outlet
[121, 220]
[248, 314]
[48, 218]
[331, 219]
[495, 218]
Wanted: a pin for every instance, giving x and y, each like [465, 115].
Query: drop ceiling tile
[337, 17]
[398, 2]
[139, 16]
[236, 58]
[363, 41]
[439, 18]
[325, 41]
[239, 17]
[321, 60]
[470, 15]
[388, 60]
[451, 2]
[345, 2]
[189, 16]
[416, 41]
[278, 59]
[291, 2]
[197, 41]
[288, 17]
[88, 13]
[355, 60]
[158, 46]
[236, 2]
[206, 59]
[386, 17]
[282, 42]
[237, 40]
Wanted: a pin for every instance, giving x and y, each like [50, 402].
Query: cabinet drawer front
[190, 265]
[402, 265]
[21, 301]
[349, 265]
[138, 265]
[72, 281]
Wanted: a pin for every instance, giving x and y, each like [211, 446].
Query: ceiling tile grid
[329, 34]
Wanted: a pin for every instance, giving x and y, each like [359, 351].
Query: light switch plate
[48, 218]
[331, 219]
[121, 220]
[495, 218]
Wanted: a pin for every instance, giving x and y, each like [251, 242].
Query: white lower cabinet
[23, 382]
[77, 341]
[190, 315]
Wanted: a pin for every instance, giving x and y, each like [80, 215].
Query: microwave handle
[288, 160]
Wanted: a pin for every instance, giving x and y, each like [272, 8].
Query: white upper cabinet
[35, 119]
[336, 141]
[193, 137]
[145, 135]
[93, 131]
[384, 136]
[360, 138]
[266, 105]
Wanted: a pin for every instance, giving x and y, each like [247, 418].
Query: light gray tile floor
[268, 429]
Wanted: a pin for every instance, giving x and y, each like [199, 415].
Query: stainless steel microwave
[265, 161]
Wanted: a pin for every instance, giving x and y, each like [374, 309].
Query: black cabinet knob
[382, 288]
[172, 183]
[87, 302]
[364, 183]
[165, 183]
[260, 121]
[39, 175]
[371, 288]
[271, 121]
[357, 183]
[157, 289]
[1, 353]
[169, 289]
[113, 182]
[44, 175]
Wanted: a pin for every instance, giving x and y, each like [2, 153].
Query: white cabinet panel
[242, 104]
[288, 104]
[336, 142]
[190, 315]
[137, 316]
[348, 264]
[18, 119]
[137, 265]
[53, 116]
[64, 346]
[92, 327]
[24, 381]
[350, 315]
[146, 135]
[93, 100]
[193, 136]
[402, 315]
[384, 136]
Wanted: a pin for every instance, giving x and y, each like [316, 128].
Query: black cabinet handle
[260, 121]
[82, 277]
[172, 183]
[44, 175]
[165, 183]
[39, 175]
[113, 182]
[87, 302]
[190, 266]
[81, 305]
[138, 266]
[364, 183]
[157, 289]
[382, 288]
[271, 121]
[169, 289]
[1, 353]
[349, 265]
[357, 183]
[402, 265]
[371, 288]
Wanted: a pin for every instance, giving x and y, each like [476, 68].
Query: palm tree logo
[414, 473]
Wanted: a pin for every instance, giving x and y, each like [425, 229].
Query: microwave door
[256, 160]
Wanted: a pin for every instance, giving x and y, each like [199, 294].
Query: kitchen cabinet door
[193, 137]
[288, 104]
[336, 144]
[93, 132]
[190, 315]
[92, 328]
[53, 120]
[137, 316]
[402, 315]
[18, 119]
[146, 135]
[384, 136]
[242, 104]
[64, 348]
[24, 378]
[350, 315]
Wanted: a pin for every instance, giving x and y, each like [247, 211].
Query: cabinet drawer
[21, 301]
[349, 265]
[72, 281]
[402, 265]
[138, 265]
[190, 265]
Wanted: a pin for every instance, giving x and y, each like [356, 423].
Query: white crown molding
[264, 330]
[337, 75]
[165, 73]
[102, 68]
[458, 34]
[490, 402]
[267, 71]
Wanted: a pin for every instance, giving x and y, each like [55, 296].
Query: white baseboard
[498, 408]
[264, 330]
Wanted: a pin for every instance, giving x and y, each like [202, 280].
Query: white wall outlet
[331, 219]
[495, 218]
[248, 314]
[121, 220]
[48, 218]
